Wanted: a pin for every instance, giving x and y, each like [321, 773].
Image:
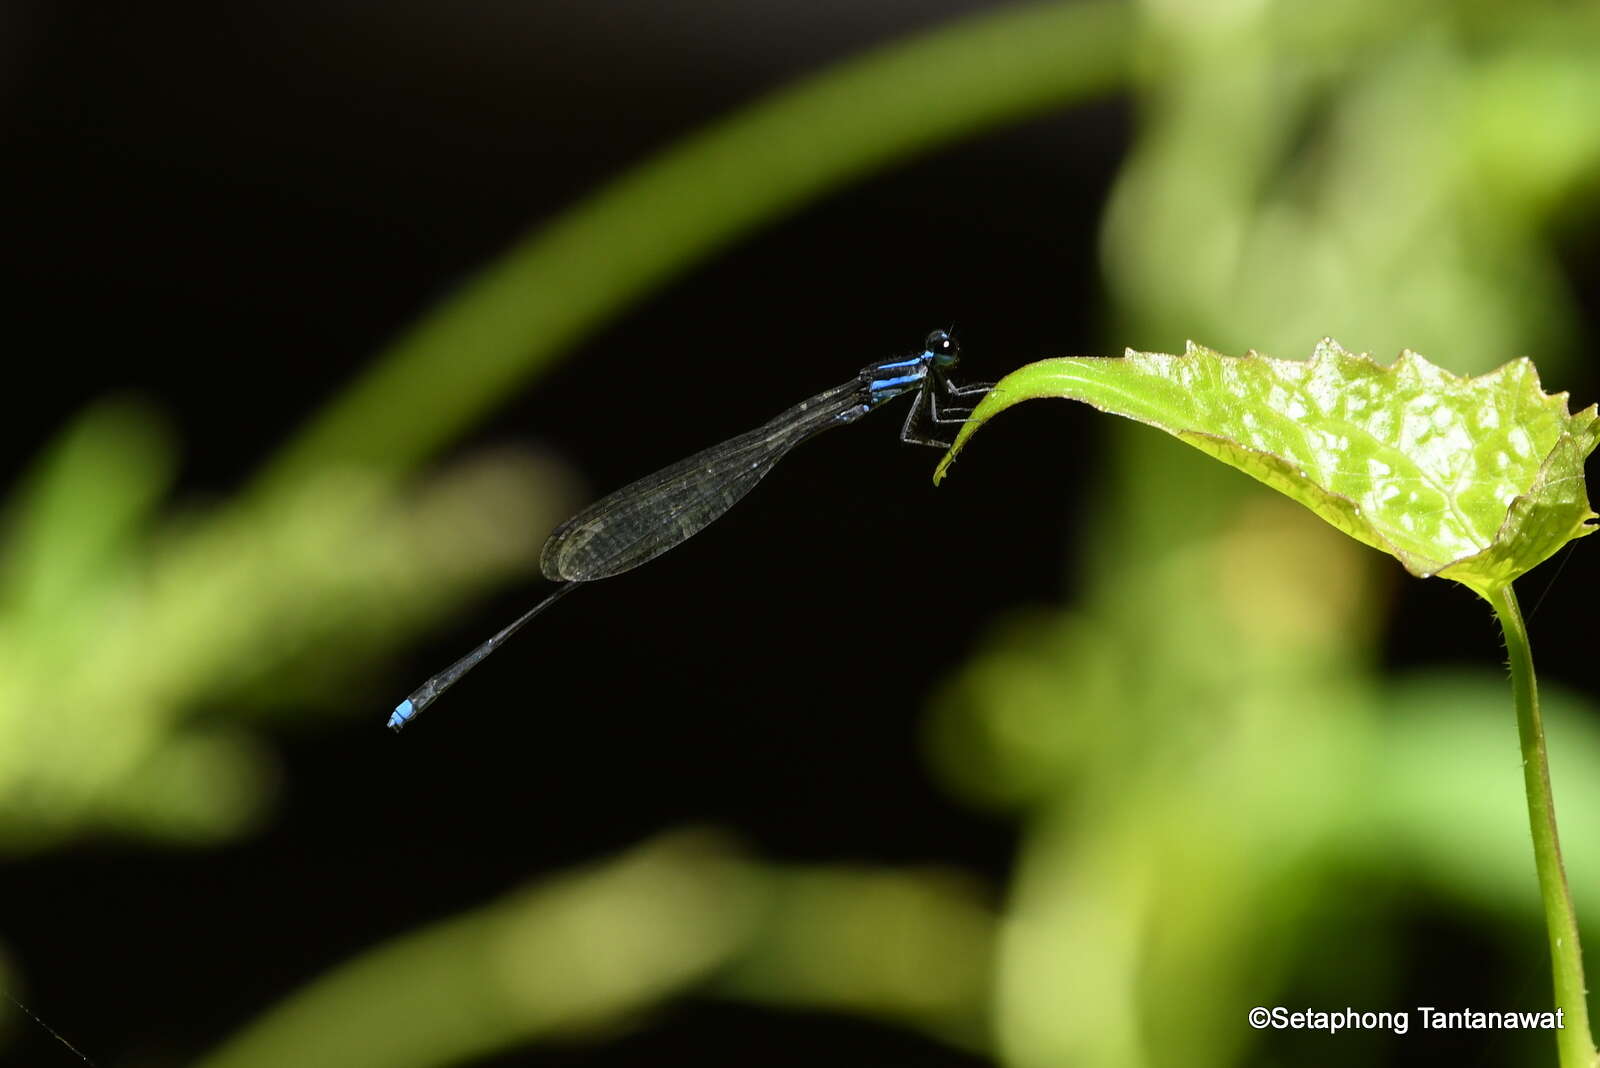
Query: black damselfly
[644, 519]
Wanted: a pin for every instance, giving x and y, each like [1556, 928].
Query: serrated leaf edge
[1409, 367]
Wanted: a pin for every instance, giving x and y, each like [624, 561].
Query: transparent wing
[659, 512]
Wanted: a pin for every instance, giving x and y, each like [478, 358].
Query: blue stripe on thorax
[889, 383]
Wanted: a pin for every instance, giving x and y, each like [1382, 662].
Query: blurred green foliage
[1298, 174]
[1200, 751]
[97, 583]
[579, 955]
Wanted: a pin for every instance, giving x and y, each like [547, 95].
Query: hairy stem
[1561, 921]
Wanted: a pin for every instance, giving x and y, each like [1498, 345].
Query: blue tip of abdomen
[401, 715]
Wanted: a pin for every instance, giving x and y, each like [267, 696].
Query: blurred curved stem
[672, 211]
[1561, 921]
[585, 951]
[588, 951]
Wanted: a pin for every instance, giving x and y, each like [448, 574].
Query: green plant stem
[670, 212]
[582, 952]
[1561, 920]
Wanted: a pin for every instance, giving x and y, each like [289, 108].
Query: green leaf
[1475, 479]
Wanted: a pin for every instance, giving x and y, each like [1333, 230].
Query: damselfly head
[941, 344]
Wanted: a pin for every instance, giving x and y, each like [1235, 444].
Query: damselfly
[644, 519]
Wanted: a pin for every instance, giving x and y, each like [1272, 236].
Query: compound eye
[942, 346]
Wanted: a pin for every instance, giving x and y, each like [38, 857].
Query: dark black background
[230, 208]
